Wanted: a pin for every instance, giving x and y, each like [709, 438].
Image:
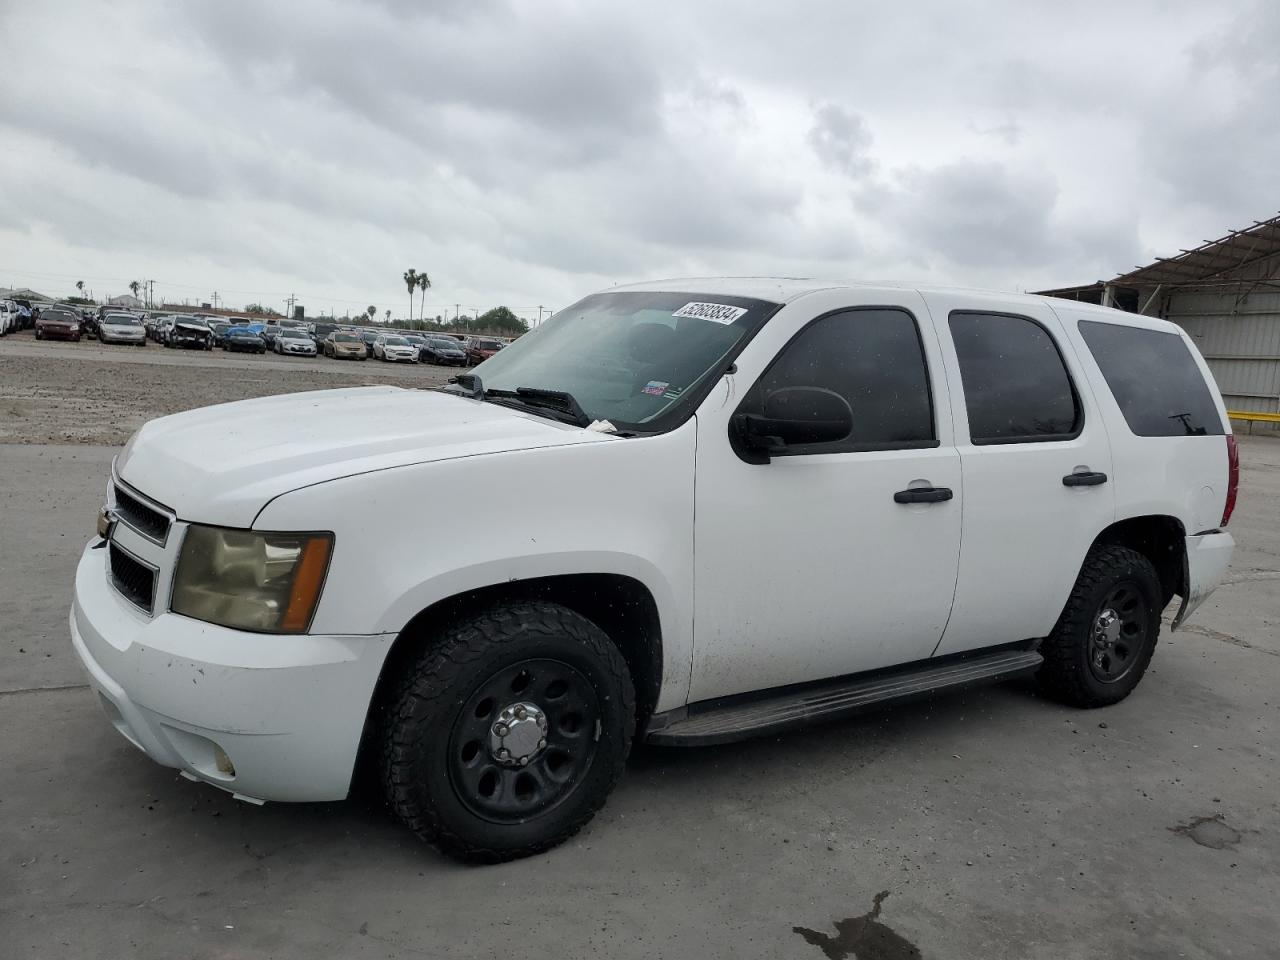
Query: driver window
[874, 359]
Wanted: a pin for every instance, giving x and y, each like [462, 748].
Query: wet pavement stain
[862, 938]
[1212, 832]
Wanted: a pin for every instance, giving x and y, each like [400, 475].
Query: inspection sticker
[715, 312]
[656, 388]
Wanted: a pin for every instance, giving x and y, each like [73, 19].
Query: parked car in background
[122, 328]
[219, 329]
[344, 346]
[58, 323]
[270, 331]
[394, 349]
[291, 341]
[480, 349]
[8, 317]
[243, 340]
[190, 333]
[26, 314]
[443, 350]
[368, 336]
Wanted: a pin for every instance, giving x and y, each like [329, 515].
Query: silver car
[122, 328]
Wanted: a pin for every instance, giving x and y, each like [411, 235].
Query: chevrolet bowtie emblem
[105, 521]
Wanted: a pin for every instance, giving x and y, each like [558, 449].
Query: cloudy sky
[529, 153]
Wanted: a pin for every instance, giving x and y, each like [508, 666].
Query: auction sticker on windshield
[715, 312]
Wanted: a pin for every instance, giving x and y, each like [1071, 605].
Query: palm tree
[80, 287]
[135, 286]
[424, 282]
[372, 312]
[388, 316]
[411, 281]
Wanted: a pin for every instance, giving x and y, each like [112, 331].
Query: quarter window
[874, 359]
[1016, 387]
[1154, 379]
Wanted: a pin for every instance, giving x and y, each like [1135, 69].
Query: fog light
[223, 762]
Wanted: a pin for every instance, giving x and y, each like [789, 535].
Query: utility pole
[456, 308]
[539, 314]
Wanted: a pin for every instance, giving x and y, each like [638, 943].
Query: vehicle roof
[783, 290]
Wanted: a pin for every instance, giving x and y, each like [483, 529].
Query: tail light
[1233, 478]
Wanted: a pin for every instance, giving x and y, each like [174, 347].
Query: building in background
[1226, 295]
[126, 300]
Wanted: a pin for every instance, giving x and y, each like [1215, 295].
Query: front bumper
[59, 333]
[399, 357]
[288, 711]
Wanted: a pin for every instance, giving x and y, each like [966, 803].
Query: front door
[808, 566]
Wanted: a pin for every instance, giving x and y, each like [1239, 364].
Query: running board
[736, 719]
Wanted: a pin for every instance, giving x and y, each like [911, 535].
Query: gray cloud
[532, 153]
[841, 140]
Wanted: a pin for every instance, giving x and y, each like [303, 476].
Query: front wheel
[508, 733]
[1106, 635]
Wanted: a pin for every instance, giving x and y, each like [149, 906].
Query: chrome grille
[149, 522]
[134, 579]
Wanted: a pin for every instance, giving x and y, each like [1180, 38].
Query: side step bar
[738, 719]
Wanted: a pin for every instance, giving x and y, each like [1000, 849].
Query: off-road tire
[1066, 674]
[431, 695]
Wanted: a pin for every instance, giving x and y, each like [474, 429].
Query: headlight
[267, 582]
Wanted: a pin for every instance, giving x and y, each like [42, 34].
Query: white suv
[695, 512]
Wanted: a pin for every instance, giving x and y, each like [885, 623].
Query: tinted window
[872, 358]
[1016, 387]
[1154, 379]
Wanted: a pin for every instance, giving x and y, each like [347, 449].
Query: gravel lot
[58, 392]
[1001, 826]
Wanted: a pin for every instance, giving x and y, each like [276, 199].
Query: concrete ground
[1001, 825]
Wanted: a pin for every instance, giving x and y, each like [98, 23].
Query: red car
[57, 323]
[480, 349]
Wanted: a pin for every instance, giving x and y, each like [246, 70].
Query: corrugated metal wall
[1239, 335]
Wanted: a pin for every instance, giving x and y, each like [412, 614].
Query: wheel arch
[620, 605]
[1162, 539]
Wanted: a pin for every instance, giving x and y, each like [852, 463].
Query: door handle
[923, 495]
[1091, 478]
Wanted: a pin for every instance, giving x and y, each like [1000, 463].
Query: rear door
[1036, 459]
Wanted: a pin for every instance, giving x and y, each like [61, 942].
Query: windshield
[122, 320]
[60, 315]
[445, 344]
[488, 345]
[294, 334]
[346, 338]
[629, 358]
[395, 342]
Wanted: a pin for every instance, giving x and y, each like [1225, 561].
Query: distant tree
[372, 311]
[135, 286]
[388, 320]
[80, 287]
[411, 281]
[500, 320]
[424, 284]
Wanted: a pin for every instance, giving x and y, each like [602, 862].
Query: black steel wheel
[523, 740]
[507, 732]
[1105, 638]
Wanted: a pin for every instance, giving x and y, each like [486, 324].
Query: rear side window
[874, 359]
[1154, 379]
[1016, 387]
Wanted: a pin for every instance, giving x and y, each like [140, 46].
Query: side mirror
[791, 416]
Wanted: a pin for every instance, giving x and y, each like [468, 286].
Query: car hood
[223, 464]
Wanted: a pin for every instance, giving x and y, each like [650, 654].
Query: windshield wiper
[556, 403]
[553, 403]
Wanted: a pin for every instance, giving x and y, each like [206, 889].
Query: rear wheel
[508, 733]
[1104, 640]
